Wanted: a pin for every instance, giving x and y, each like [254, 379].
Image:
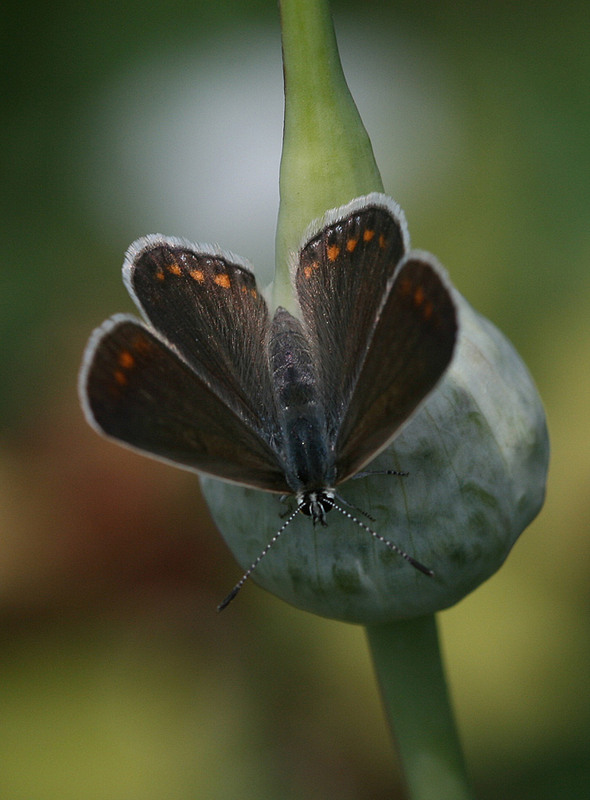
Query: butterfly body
[291, 404]
[307, 457]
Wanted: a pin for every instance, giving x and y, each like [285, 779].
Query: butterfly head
[316, 504]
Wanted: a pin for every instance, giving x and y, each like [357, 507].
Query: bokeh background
[118, 681]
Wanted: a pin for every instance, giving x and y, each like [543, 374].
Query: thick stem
[327, 156]
[409, 669]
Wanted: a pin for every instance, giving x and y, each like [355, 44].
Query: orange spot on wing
[307, 271]
[197, 275]
[382, 241]
[160, 274]
[428, 309]
[174, 268]
[419, 296]
[120, 377]
[126, 360]
[333, 252]
[141, 344]
[351, 244]
[222, 280]
[368, 234]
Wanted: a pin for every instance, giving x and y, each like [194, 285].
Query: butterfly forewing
[411, 347]
[136, 389]
[341, 277]
[207, 303]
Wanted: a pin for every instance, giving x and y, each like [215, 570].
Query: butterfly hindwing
[411, 347]
[136, 389]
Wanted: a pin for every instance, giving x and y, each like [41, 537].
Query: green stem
[327, 161]
[327, 157]
[409, 669]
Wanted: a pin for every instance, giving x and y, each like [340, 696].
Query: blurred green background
[118, 681]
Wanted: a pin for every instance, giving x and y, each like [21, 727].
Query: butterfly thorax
[307, 456]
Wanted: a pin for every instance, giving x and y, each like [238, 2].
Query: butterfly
[213, 381]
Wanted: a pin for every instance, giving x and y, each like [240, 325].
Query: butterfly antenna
[354, 508]
[231, 596]
[392, 546]
[370, 472]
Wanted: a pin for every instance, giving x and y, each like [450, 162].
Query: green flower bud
[477, 456]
